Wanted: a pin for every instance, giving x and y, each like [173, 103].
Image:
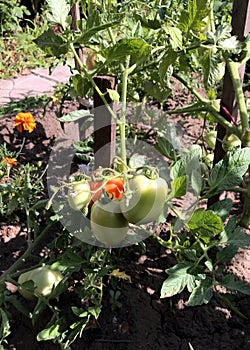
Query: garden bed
[138, 319]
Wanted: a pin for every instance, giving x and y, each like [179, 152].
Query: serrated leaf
[236, 237]
[178, 279]
[51, 43]
[136, 48]
[175, 36]
[165, 147]
[228, 173]
[235, 285]
[179, 186]
[167, 61]
[225, 254]
[75, 115]
[89, 32]
[222, 208]
[210, 67]
[191, 19]
[186, 165]
[201, 294]
[58, 12]
[205, 224]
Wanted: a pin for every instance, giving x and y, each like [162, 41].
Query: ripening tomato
[107, 222]
[44, 278]
[79, 195]
[147, 199]
[115, 188]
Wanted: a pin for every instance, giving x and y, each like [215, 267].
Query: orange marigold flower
[9, 161]
[24, 121]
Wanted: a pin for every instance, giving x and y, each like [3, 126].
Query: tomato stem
[234, 71]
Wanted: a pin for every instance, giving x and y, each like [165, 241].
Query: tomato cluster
[116, 202]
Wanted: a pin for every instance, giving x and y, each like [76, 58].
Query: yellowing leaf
[120, 274]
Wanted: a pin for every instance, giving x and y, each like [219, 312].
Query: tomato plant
[145, 200]
[108, 224]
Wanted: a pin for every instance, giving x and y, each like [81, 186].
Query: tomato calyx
[150, 172]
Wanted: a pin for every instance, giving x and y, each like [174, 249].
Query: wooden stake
[104, 124]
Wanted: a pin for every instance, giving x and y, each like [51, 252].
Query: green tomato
[147, 199]
[79, 195]
[44, 280]
[230, 141]
[211, 139]
[108, 224]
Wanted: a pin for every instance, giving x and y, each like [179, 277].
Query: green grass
[18, 52]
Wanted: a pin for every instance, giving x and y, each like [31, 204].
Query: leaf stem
[209, 108]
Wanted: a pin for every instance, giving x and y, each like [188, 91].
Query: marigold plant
[9, 161]
[24, 121]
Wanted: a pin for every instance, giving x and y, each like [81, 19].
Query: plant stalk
[234, 72]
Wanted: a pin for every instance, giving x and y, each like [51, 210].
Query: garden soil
[140, 320]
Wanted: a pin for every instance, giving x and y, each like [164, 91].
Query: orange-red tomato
[114, 189]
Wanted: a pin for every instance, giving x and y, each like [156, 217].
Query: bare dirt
[142, 321]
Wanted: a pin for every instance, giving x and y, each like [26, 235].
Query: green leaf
[210, 67]
[229, 171]
[205, 224]
[94, 25]
[59, 10]
[222, 208]
[165, 147]
[154, 90]
[191, 19]
[136, 48]
[4, 325]
[178, 279]
[196, 181]
[225, 254]
[179, 186]
[49, 333]
[235, 235]
[148, 23]
[175, 36]
[114, 95]
[201, 294]
[52, 43]
[81, 85]
[166, 62]
[230, 283]
[75, 115]
[186, 165]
